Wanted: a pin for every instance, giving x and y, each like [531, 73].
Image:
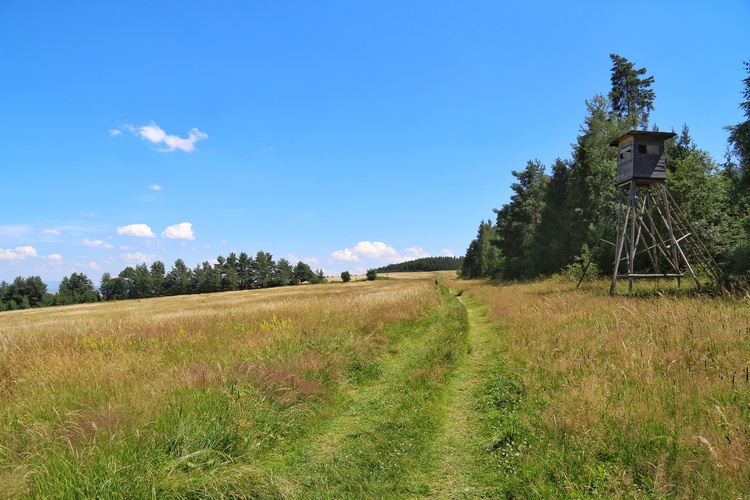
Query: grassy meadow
[394, 388]
[644, 395]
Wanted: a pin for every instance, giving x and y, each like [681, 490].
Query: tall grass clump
[645, 395]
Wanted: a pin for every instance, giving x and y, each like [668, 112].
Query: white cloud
[375, 250]
[447, 253]
[182, 231]
[137, 258]
[153, 133]
[19, 253]
[114, 133]
[155, 187]
[415, 253]
[55, 256]
[312, 260]
[94, 266]
[96, 244]
[344, 255]
[138, 230]
[55, 232]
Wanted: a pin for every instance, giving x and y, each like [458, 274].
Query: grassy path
[463, 471]
[413, 431]
[380, 443]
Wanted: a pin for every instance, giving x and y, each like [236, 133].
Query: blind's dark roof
[643, 134]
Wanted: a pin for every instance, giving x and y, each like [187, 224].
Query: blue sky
[343, 134]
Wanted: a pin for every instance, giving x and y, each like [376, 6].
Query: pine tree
[263, 269]
[552, 247]
[177, 280]
[483, 258]
[244, 271]
[303, 272]
[700, 190]
[157, 278]
[739, 137]
[142, 285]
[127, 277]
[737, 172]
[518, 220]
[593, 173]
[283, 273]
[631, 95]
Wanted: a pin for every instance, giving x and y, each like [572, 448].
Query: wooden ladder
[687, 238]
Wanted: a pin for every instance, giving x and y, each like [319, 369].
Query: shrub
[371, 274]
[346, 277]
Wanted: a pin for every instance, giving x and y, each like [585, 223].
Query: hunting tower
[647, 223]
[641, 157]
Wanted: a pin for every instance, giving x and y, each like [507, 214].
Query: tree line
[554, 217]
[234, 272]
[424, 264]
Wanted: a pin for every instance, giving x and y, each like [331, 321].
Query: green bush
[346, 277]
[372, 274]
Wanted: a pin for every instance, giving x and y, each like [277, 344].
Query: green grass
[380, 443]
[386, 389]
[225, 400]
[598, 396]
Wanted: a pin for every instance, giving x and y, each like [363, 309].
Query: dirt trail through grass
[411, 432]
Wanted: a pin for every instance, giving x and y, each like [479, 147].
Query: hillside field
[394, 388]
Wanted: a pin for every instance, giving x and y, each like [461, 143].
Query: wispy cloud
[154, 133]
[115, 132]
[14, 231]
[182, 231]
[155, 187]
[137, 230]
[137, 258]
[413, 253]
[55, 232]
[19, 253]
[96, 244]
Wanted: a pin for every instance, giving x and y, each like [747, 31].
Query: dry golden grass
[578, 393]
[442, 275]
[654, 390]
[80, 376]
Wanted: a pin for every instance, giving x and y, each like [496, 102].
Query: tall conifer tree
[631, 94]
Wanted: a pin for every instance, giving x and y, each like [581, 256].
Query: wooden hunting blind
[641, 156]
[648, 220]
